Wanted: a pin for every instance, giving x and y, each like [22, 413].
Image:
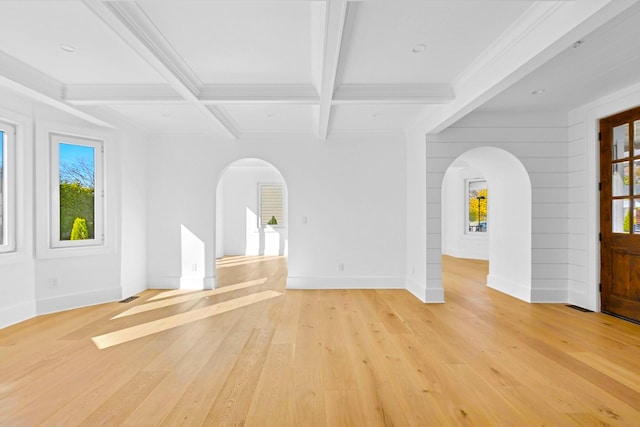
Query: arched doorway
[507, 243]
[251, 210]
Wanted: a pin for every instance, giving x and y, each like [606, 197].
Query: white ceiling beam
[259, 94]
[544, 31]
[334, 25]
[38, 86]
[131, 24]
[393, 94]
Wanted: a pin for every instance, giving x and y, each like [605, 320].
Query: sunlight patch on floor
[189, 297]
[145, 329]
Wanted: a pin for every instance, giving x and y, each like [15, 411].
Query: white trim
[516, 290]
[176, 282]
[348, 282]
[77, 300]
[17, 313]
[8, 198]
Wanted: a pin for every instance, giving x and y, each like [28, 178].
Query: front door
[620, 214]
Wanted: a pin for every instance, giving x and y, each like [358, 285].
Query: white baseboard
[420, 291]
[509, 287]
[434, 296]
[17, 313]
[417, 289]
[133, 288]
[549, 296]
[209, 282]
[70, 301]
[353, 282]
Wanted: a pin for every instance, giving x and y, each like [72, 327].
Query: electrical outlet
[53, 283]
[194, 267]
[341, 266]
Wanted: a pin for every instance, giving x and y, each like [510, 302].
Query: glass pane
[77, 187]
[636, 179]
[2, 192]
[636, 138]
[620, 179]
[477, 205]
[621, 216]
[636, 216]
[621, 141]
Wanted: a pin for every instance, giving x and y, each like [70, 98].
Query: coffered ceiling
[233, 69]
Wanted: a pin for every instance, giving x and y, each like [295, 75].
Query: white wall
[352, 192]
[455, 241]
[36, 279]
[539, 141]
[242, 236]
[133, 242]
[417, 196]
[584, 225]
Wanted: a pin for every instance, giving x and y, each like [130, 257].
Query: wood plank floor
[251, 353]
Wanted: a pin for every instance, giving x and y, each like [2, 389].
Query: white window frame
[9, 188]
[280, 224]
[55, 139]
[467, 184]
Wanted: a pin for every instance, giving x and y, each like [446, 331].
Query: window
[477, 199]
[7, 186]
[271, 208]
[77, 191]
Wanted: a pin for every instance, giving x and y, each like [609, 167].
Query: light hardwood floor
[251, 353]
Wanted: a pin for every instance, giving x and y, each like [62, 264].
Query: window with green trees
[477, 199]
[77, 210]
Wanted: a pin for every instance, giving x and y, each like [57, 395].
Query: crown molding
[435, 93]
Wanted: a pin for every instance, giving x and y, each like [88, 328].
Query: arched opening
[507, 241]
[251, 211]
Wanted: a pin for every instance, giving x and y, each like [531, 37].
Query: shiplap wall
[540, 142]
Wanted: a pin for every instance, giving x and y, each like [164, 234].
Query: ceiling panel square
[274, 117]
[165, 118]
[34, 31]
[373, 117]
[448, 37]
[243, 42]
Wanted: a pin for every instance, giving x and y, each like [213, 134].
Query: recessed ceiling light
[537, 92]
[374, 115]
[67, 48]
[419, 48]
[270, 115]
[577, 44]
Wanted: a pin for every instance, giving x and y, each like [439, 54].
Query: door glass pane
[636, 179]
[77, 187]
[621, 216]
[636, 137]
[620, 179]
[636, 216]
[620, 146]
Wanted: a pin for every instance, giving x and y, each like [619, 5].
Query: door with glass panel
[620, 214]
